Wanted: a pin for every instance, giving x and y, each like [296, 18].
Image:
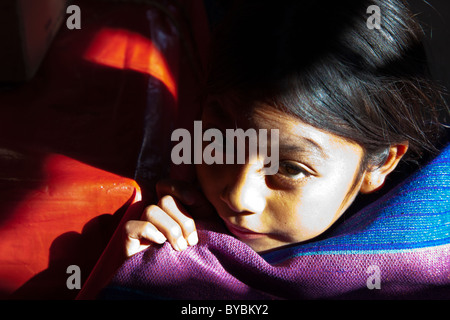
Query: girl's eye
[292, 170]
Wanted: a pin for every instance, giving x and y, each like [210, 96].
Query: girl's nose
[246, 192]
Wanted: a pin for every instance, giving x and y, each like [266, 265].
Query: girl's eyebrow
[304, 145]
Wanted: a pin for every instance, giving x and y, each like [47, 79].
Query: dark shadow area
[103, 116]
[92, 113]
[429, 293]
[77, 108]
[71, 248]
[434, 16]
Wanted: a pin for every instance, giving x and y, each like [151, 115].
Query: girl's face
[313, 187]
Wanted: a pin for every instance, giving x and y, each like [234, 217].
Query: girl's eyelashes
[293, 170]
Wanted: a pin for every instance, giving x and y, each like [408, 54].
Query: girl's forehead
[293, 132]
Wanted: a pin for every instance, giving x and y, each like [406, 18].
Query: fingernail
[181, 244]
[160, 238]
[193, 238]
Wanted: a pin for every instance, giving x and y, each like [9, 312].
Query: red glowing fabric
[61, 222]
[123, 49]
[72, 139]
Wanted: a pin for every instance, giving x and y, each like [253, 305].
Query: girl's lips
[243, 233]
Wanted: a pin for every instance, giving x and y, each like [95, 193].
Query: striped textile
[397, 247]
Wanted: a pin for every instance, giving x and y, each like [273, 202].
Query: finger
[178, 213]
[139, 236]
[166, 225]
[143, 230]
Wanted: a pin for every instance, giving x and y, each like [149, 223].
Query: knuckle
[149, 212]
[134, 229]
[127, 227]
[175, 231]
[166, 201]
[188, 225]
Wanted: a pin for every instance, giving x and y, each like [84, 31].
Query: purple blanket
[398, 247]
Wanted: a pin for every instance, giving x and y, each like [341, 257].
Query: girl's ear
[374, 177]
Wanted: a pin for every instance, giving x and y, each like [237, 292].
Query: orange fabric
[124, 49]
[69, 196]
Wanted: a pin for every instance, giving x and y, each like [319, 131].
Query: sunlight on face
[313, 186]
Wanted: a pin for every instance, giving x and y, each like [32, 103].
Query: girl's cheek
[312, 209]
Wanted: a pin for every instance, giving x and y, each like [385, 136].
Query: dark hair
[319, 61]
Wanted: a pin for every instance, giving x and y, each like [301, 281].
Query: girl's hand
[168, 220]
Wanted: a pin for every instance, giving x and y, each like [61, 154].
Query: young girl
[350, 100]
